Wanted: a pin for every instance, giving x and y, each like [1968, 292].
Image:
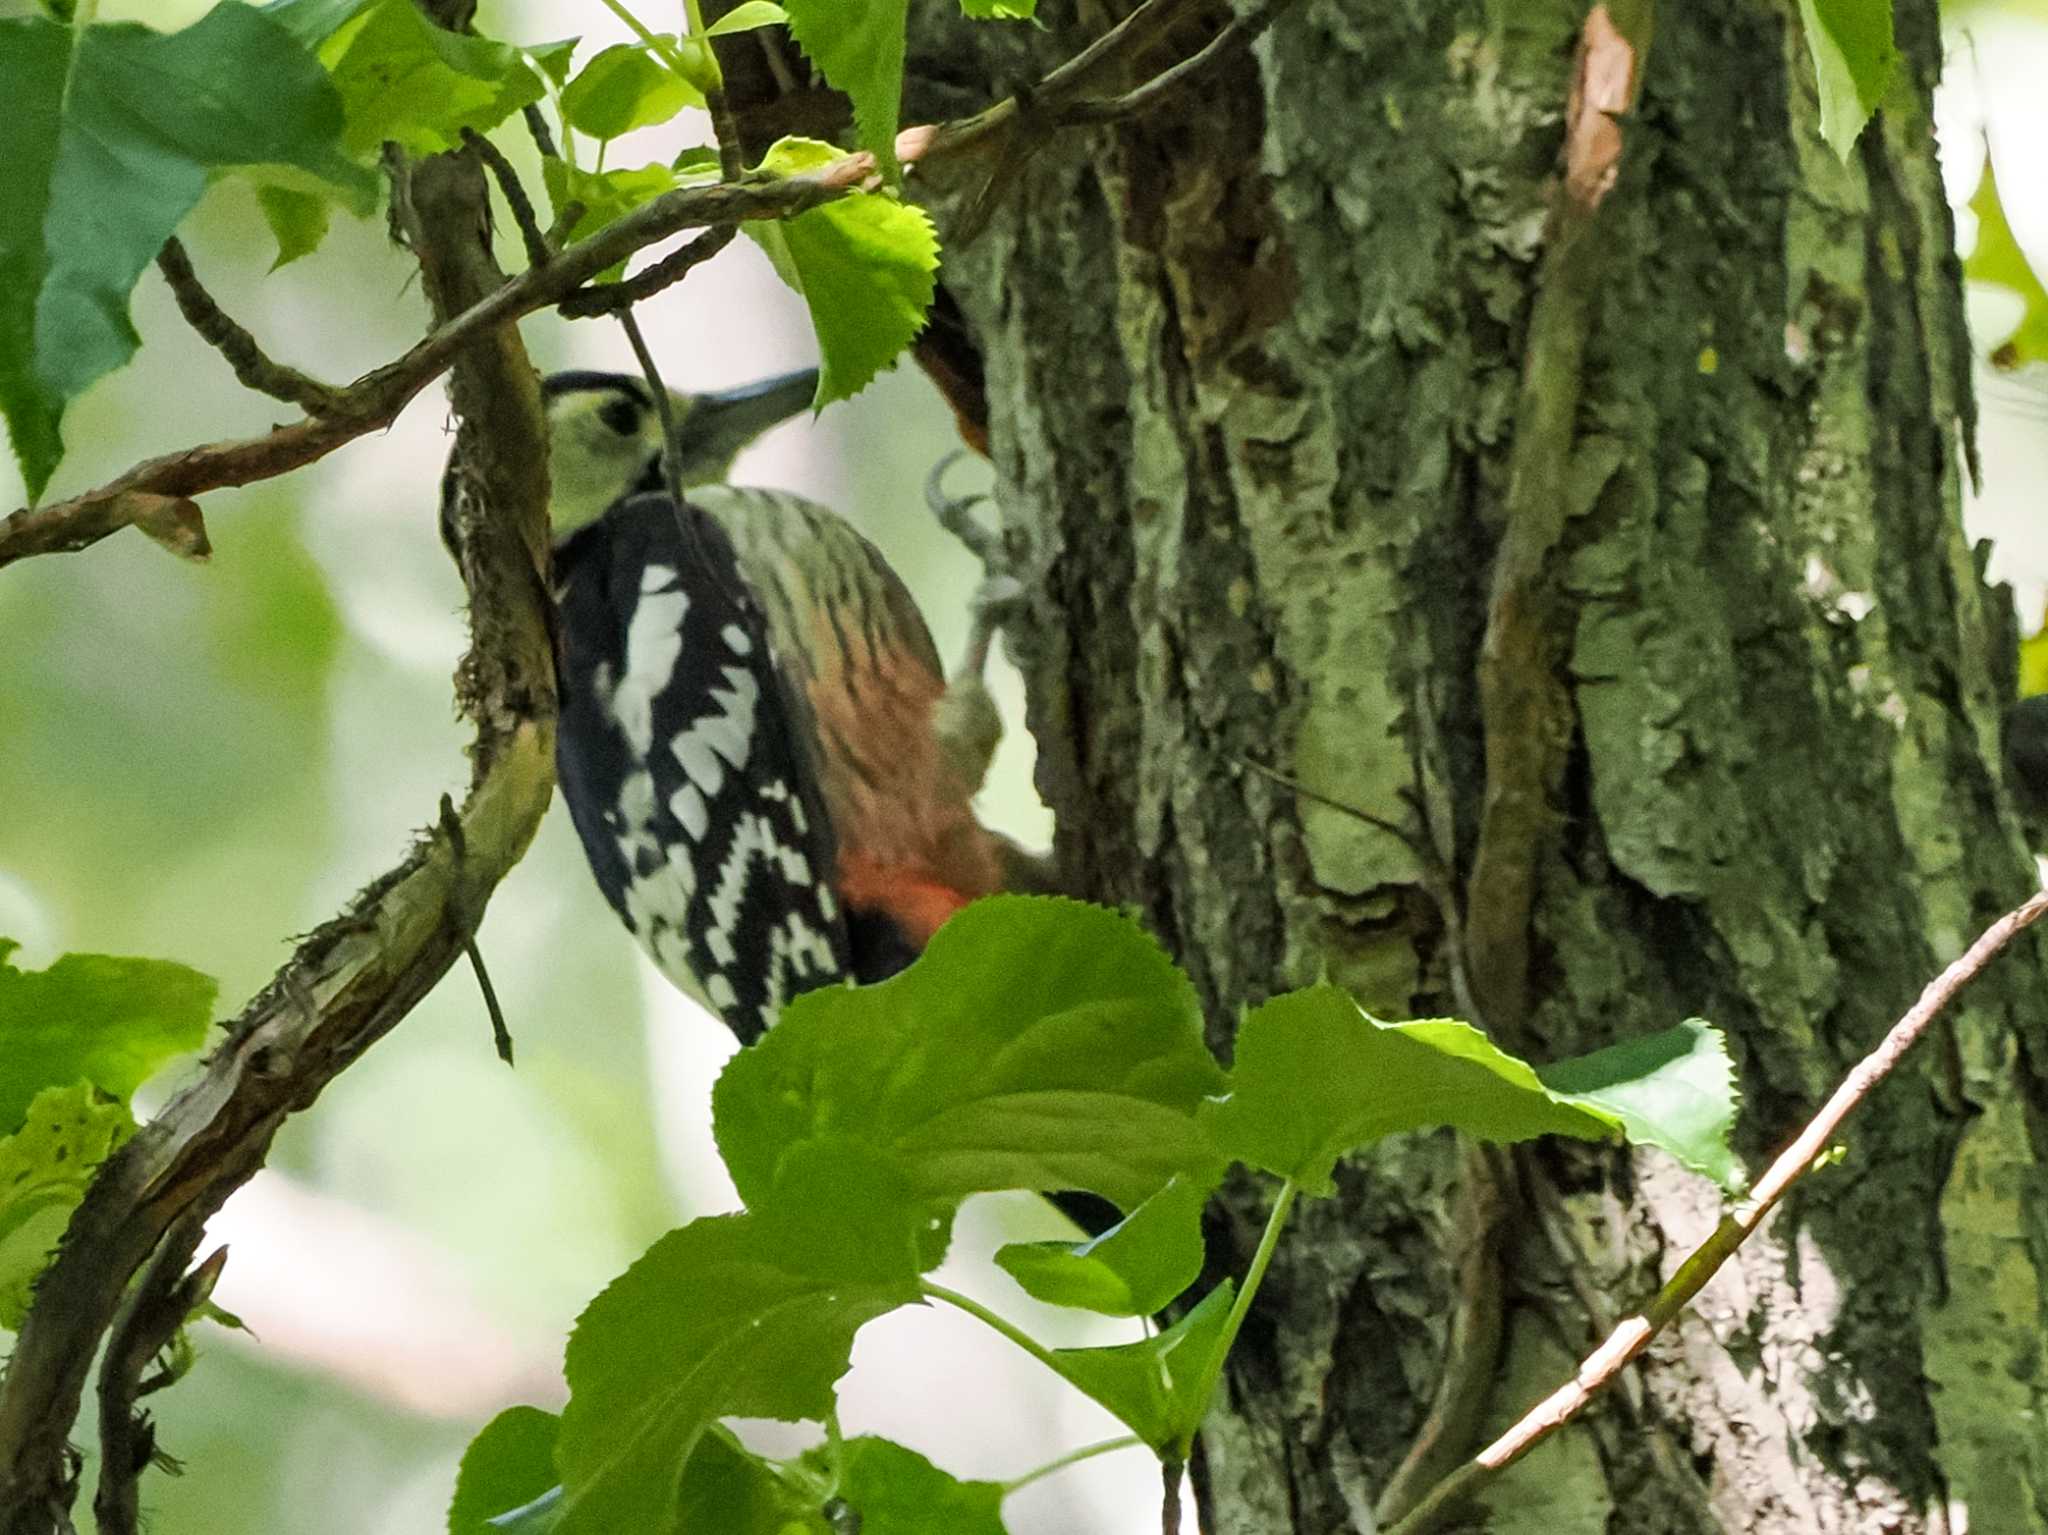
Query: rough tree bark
[1255, 372]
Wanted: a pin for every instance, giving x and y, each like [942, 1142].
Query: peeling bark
[1253, 367]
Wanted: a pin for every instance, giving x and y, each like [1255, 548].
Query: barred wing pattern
[685, 768]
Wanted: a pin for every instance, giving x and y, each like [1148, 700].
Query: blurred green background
[197, 762]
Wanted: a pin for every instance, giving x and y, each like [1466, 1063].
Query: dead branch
[1601, 1367]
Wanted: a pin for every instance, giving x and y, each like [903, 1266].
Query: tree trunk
[1256, 371]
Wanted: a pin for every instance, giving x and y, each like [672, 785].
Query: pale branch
[233, 341]
[358, 975]
[372, 402]
[1629, 1338]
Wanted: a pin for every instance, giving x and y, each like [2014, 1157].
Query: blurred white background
[198, 762]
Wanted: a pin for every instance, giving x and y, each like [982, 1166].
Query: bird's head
[605, 435]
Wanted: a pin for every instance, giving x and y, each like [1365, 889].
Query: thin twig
[145, 1325]
[467, 921]
[1629, 1339]
[615, 297]
[537, 128]
[664, 407]
[220, 331]
[1240, 33]
[538, 251]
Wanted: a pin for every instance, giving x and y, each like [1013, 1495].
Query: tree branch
[162, 1300]
[1632, 1336]
[358, 975]
[373, 401]
[220, 331]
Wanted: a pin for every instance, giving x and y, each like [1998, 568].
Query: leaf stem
[981, 1313]
[1073, 1458]
[1269, 1239]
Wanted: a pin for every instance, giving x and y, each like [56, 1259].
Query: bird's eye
[622, 416]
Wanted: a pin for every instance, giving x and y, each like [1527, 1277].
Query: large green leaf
[866, 266]
[858, 48]
[1997, 258]
[506, 1467]
[625, 87]
[1158, 1386]
[1037, 1043]
[1853, 59]
[406, 80]
[738, 1315]
[896, 1491]
[606, 196]
[44, 1168]
[94, 1018]
[1674, 1090]
[1316, 1078]
[113, 134]
[1134, 1269]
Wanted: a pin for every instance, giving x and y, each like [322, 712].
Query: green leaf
[111, 143]
[1316, 1078]
[726, 1317]
[1674, 1090]
[553, 58]
[404, 79]
[746, 16]
[1134, 1269]
[44, 1168]
[1997, 258]
[1158, 1386]
[858, 47]
[998, 10]
[1037, 1044]
[297, 220]
[896, 1491]
[94, 1018]
[623, 88]
[606, 196]
[1853, 59]
[506, 1467]
[865, 266]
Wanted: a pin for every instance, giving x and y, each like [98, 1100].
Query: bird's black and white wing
[683, 770]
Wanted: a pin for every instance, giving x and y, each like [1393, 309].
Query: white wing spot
[687, 806]
[654, 639]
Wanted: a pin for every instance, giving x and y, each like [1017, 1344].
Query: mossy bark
[1255, 369]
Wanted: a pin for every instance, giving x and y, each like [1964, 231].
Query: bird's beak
[718, 425]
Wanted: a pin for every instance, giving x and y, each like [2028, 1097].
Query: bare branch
[220, 331]
[615, 297]
[1632, 1335]
[357, 976]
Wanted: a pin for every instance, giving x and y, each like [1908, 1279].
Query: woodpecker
[758, 744]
